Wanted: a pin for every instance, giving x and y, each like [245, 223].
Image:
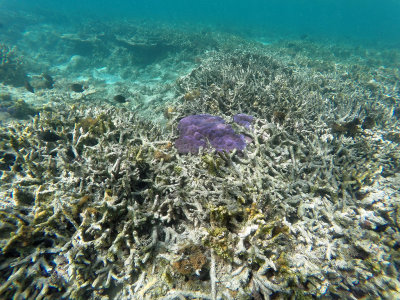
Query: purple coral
[204, 131]
[243, 119]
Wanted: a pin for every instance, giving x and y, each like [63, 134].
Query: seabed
[97, 203]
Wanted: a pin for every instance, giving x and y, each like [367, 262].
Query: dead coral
[256, 82]
[62, 218]
[300, 213]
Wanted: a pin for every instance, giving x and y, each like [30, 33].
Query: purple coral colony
[207, 131]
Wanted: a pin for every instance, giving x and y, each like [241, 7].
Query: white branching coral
[105, 207]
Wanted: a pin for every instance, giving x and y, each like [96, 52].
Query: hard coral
[204, 131]
[243, 119]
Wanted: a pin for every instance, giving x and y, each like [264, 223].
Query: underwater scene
[244, 150]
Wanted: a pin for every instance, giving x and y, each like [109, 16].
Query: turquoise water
[369, 20]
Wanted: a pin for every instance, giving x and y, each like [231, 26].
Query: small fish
[119, 98]
[49, 80]
[49, 136]
[77, 87]
[28, 86]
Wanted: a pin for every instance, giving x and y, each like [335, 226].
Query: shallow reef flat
[96, 202]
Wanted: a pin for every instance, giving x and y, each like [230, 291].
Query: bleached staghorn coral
[257, 81]
[60, 196]
[107, 207]
[109, 210]
[296, 211]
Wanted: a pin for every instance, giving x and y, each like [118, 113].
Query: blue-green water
[369, 20]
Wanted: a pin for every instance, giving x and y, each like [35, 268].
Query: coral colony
[243, 119]
[204, 131]
[155, 194]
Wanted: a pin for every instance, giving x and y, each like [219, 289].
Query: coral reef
[91, 209]
[50, 237]
[97, 203]
[255, 82]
